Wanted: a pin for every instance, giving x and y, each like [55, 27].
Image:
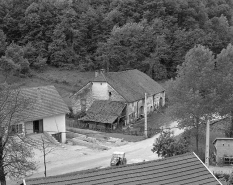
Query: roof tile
[177, 170]
[104, 111]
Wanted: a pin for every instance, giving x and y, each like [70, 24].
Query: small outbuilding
[46, 114]
[223, 151]
[105, 114]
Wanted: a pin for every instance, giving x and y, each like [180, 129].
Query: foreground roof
[177, 170]
[46, 102]
[104, 111]
[131, 84]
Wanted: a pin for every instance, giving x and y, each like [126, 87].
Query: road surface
[62, 162]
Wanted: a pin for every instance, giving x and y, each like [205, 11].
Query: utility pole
[207, 155]
[145, 114]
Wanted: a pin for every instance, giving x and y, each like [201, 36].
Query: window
[228, 160]
[16, 128]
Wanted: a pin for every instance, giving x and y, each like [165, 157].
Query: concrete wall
[100, 91]
[55, 124]
[223, 148]
[29, 127]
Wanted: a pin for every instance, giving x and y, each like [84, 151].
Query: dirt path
[81, 158]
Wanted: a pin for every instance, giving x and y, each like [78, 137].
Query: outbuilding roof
[131, 84]
[104, 111]
[177, 170]
[46, 102]
[223, 138]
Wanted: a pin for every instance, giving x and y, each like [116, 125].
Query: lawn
[154, 122]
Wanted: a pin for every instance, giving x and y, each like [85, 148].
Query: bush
[24, 67]
[222, 177]
[40, 63]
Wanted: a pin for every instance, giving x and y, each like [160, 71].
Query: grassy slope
[67, 82]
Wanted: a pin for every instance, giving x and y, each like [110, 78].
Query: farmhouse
[181, 169]
[46, 114]
[126, 86]
[223, 151]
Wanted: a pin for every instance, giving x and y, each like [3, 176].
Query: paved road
[135, 152]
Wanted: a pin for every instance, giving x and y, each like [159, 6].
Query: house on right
[223, 151]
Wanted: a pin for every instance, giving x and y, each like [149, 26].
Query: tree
[191, 93]
[223, 83]
[15, 154]
[16, 54]
[166, 145]
[2, 43]
[8, 67]
[46, 148]
[128, 46]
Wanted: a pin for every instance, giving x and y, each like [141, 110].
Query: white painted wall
[55, 124]
[100, 91]
[28, 127]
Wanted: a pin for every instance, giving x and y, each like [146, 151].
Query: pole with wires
[145, 115]
[207, 143]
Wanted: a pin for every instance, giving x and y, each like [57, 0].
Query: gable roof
[131, 84]
[177, 170]
[104, 111]
[46, 102]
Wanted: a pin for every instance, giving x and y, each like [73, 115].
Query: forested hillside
[150, 35]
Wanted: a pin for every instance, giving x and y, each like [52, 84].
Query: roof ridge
[111, 167]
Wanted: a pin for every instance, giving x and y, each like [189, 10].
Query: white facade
[52, 125]
[100, 91]
[55, 124]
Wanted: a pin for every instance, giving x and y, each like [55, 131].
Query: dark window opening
[38, 126]
[16, 129]
[228, 160]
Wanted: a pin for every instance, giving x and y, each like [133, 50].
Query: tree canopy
[149, 35]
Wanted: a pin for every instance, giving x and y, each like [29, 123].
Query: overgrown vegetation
[166, 145]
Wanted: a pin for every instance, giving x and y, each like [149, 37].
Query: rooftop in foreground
[177, 170]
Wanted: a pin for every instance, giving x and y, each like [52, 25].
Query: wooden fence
[138, 131]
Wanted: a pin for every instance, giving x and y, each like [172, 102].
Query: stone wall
[85, 94]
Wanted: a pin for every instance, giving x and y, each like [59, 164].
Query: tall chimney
[102, 71]
[96, 73]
